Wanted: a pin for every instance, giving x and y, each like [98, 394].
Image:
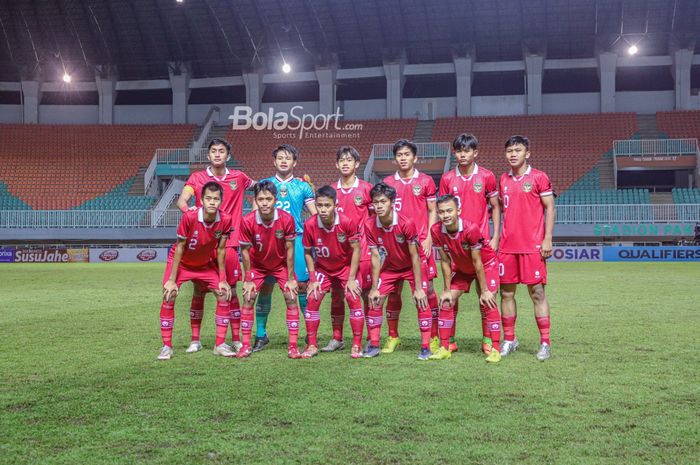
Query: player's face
[382, 206]
[218, 155]
[448, 212]
[284, 163]
[211, 201]
[465, 157]
[517, 155]
[347, 165]
[405, 158]
[265, 202]
[326, 209]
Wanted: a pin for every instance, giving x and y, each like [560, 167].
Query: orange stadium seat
[679, 124]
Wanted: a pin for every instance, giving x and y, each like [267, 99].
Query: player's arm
[291, 285]
[446, 266]
[487, 297]
[549, 217]
[496, 218]
[224, 288]
[352, 286]
[432, 219]
[185, 196]
[170, 289]
[313, 285]
[248, 284]
[419, 294]
[311, 207]
[376, 262]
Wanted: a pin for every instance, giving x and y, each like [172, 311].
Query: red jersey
[392, 242]
[234, 183]
[473, 193]
[412, 197]
[460, 244]
[356, 204]
[333, 250]
[268, 242]
[201, 239]
[523, 213]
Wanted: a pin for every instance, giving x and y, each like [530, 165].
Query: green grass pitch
[80, 384]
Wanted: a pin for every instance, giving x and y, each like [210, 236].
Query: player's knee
[537, 293]
[289, 299]
[507, 294]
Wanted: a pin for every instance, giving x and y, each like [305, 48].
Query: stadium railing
[566, 214]
[177, 156]
[655, 147]
[425, 150]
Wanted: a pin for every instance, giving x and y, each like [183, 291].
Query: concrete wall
[562, 104]
[645, 102]
[10, 113]
[143, 114]
[68, 114]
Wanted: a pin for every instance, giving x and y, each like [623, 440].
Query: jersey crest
[233, 185]
[341, 237]
[400, 238]
[527, 187]
[416, 190]
[279, 234]
[477, 187]
[358, 200]
[283, 191]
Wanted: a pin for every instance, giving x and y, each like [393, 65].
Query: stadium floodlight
[180, 1]
[633, 50]
[286, 68]
[66, 77]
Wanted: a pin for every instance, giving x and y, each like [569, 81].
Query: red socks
[293, 324]
[167, 319]
[543, 326]
[493, 326]
[312, 319]
[196, 314]
[393, 309]
[337, 312]
[509, 327]
[223, 313]
[235, 317]
[246, 324]
[374, 325]
[454, 325]
[425, 324]
[446, 323]
[435, 312]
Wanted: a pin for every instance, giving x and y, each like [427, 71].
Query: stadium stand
[679, 124]
[58, 167]
[567, 147]
[253, 148]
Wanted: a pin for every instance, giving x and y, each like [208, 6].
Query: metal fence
[566, 214]
[425, 150]
[655, 147]
[182, 155]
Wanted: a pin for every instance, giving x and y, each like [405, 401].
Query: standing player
[464, 255]
[396, 237]
[415, 198]
[199, 234]
[355, 203]
[234, 184]
[293, 194]
[476, 190]
[335, 240]
[528, 222]
[267, 247]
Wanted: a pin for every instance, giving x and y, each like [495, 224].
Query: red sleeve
[306, 240]
[183, 229]
[474, 237]
[290, 232]
[444, 189]
[500, 188]
[369, 233]
[410, 231]
[248, 181]
[435, 234]
[491, 189]
[245, 235]
[192, 182]
[229, 225]
[544, 186]
[352, 231]
[430, 190]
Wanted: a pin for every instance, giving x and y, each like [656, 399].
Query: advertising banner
[651, 254]
[129, 255]
[577, 254]
[7, 255]
[52, 255]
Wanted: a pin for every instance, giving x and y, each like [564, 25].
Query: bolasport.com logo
[295, 124]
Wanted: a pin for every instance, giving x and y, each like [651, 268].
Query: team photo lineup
[360, 243]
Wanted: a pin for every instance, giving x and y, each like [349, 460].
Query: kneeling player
[464, 255]
[336, 241]
[267, 247]
[396, 238]
[199, 233]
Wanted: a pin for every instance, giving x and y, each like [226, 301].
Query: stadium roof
[224, 37]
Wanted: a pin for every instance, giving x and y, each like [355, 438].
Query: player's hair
[383, 189]
[347, 150]
[213, 186]
[401, 143]
[219, 141]
[465, 141]
[447, 198]
[515, 140]
[265, 185]
[286, 148]
[328, 192]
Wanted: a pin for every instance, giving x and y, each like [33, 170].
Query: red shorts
[337, 281]
[204, 278]
[462, 281]
[391, 281]
[431, 266]
[233, 265]
[258, 277]
[364, 275]
[522, 268]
